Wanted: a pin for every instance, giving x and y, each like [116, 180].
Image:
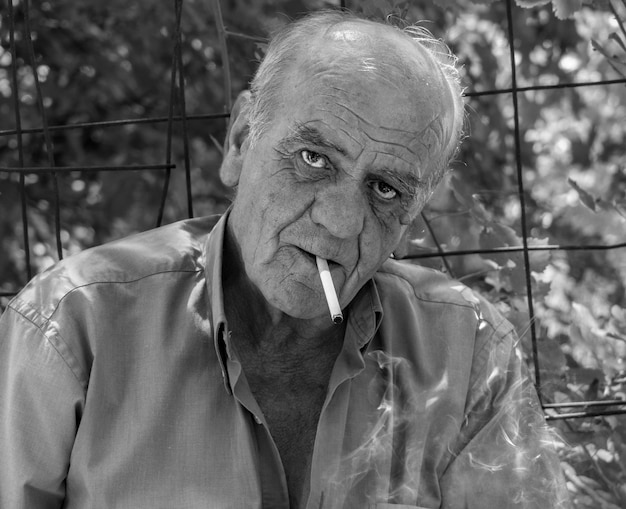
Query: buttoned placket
[272, 478]
[362, 326]
[269, 468]
[331, 425]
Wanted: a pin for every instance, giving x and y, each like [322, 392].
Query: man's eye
[313, 159]
[384, 191]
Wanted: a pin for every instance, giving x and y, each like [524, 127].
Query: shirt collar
[364, 316]
[214, 257]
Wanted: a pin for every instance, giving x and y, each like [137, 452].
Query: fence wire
[555, 411]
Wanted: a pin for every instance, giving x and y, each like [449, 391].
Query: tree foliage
[107, 61]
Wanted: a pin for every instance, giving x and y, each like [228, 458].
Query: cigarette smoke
[496, 458]
[377, 469]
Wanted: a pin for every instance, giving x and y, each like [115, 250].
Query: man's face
[339, 173]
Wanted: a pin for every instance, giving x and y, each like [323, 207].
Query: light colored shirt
[120, 388]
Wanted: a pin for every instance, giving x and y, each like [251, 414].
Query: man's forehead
[369, 107]
[372, 82]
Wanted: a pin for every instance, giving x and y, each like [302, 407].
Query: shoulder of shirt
[176, 247]
[427, 285]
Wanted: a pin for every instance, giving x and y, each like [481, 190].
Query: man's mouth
[311, 257]
[306, 254]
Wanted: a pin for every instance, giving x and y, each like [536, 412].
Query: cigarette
[329, 290]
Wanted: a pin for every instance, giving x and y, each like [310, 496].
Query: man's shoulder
[176, 247]
[423, 283]
[428, 288]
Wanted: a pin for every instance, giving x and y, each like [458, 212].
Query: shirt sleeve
[506, 454]
[40, 405]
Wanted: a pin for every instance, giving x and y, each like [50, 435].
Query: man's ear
[234, 144]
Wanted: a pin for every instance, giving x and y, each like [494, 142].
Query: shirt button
[257, 419]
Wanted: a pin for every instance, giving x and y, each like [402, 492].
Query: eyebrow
[307, 135]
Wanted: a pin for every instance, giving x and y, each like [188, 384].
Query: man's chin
[306, 313]
[298, 298]
[302, 310]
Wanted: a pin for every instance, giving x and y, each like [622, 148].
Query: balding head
[409, 61]
[348, 128]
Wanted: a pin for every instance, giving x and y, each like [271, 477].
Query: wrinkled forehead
[362, 126]
[370, 76]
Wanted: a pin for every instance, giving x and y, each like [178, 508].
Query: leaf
[564, 9]
[540, 288]
[507, 234]
[618, 317]
[552, 358]
[618, 66]
[460, 191]
[479, 212]
[470, 201]
[616, 37]
[512, 273]
[496, 236]
[583, 317]
[616, 63]
[584, 376]
[587, 199]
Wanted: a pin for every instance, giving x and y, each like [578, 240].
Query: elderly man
[197, 365]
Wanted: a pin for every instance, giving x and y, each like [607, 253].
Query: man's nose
[340, 209]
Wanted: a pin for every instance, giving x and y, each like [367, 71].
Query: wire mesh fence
[181, 117]
[175, 174]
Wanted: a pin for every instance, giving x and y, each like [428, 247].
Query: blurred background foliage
[106, 61]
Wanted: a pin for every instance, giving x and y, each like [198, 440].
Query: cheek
[266, 190]
[277, 182]
[378, 241]
[390, 229]
[271, 206]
